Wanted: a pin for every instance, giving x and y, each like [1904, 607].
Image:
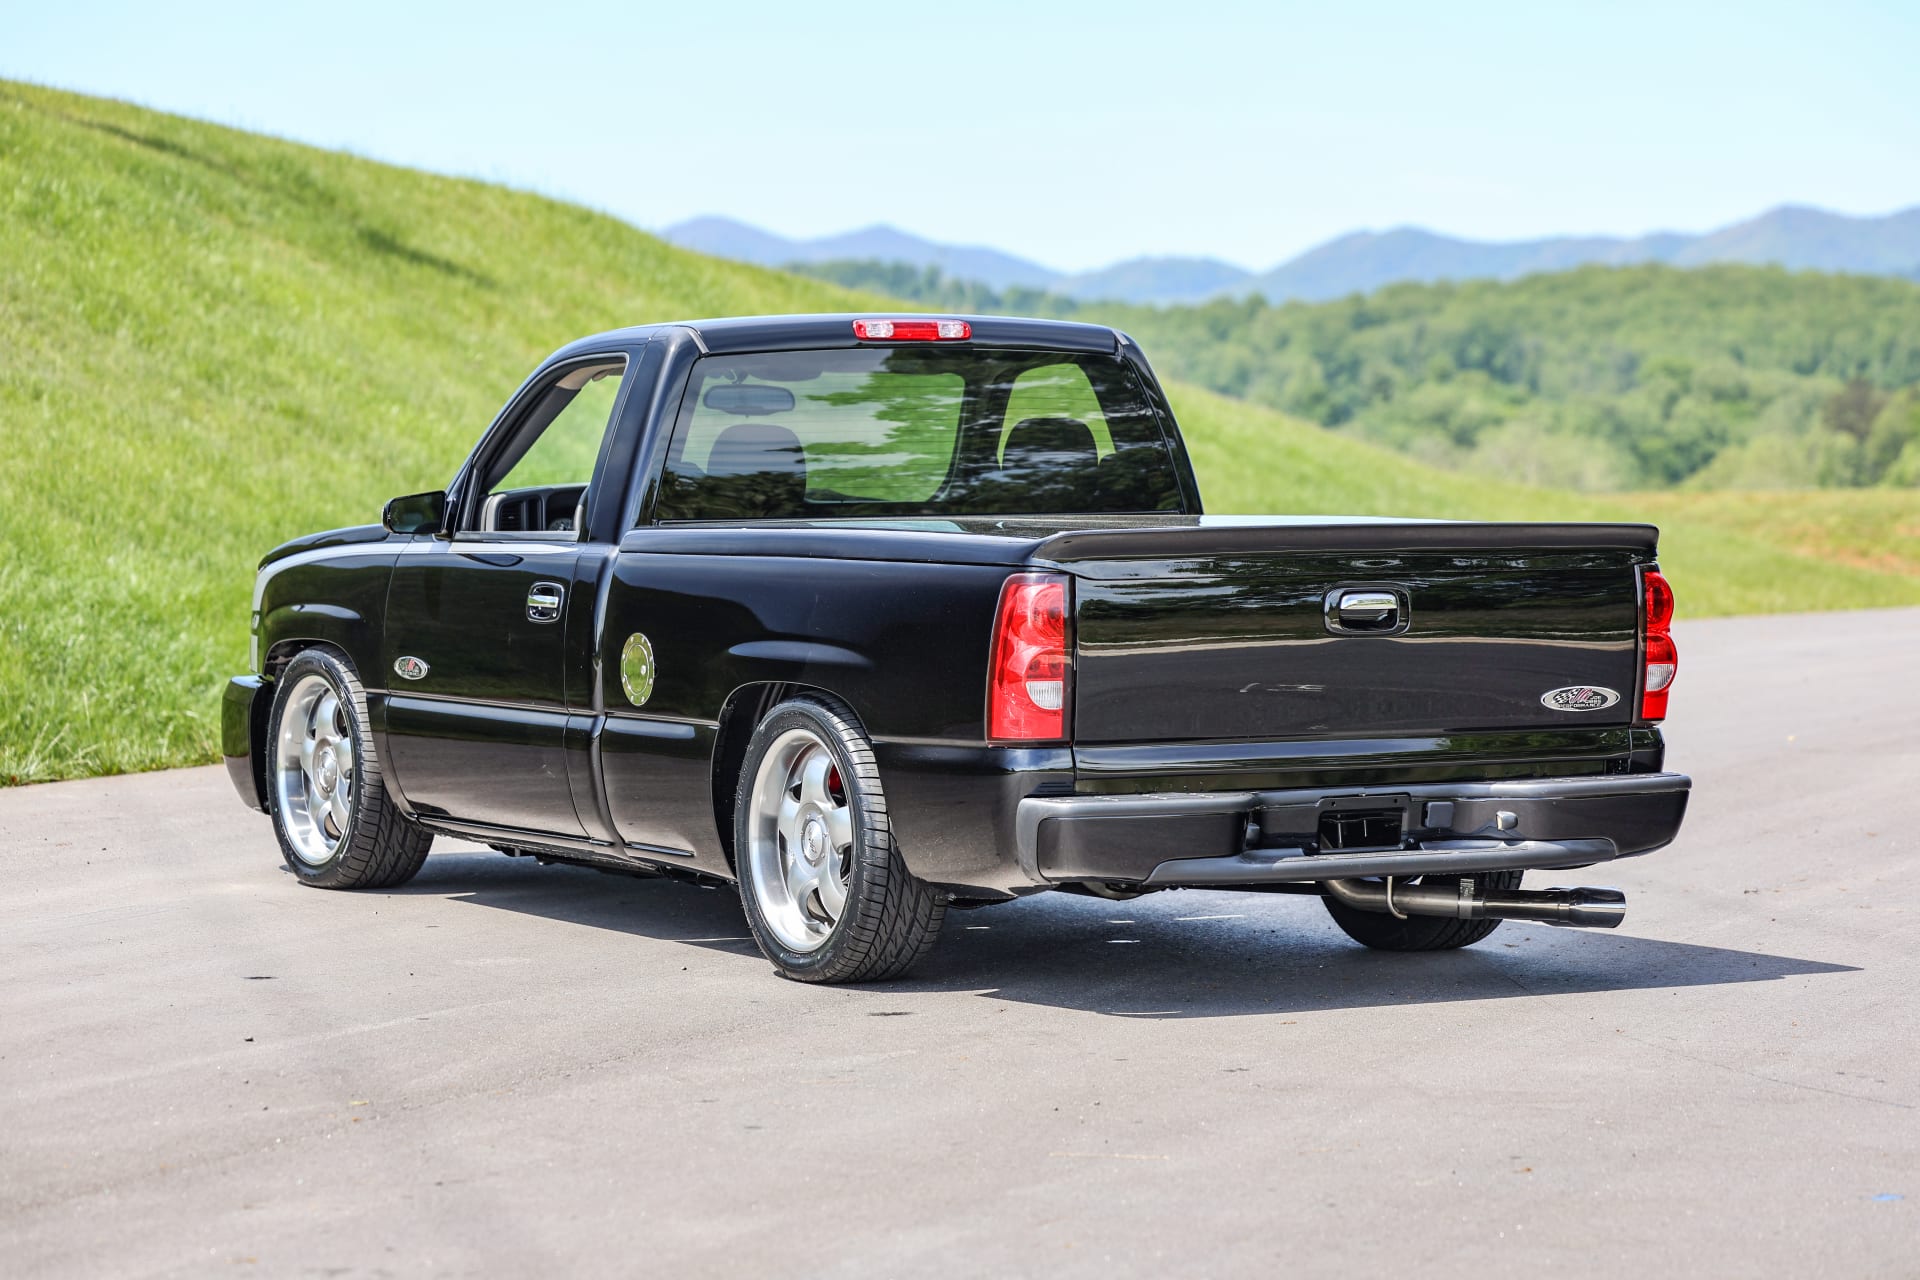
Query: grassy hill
[211, 341]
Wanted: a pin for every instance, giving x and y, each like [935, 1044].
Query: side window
[537, 484]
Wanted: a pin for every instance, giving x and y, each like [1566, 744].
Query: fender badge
[411, 668]
[1579, 697]
[636, 669]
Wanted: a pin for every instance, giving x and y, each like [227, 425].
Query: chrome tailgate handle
[543, 601]
[1366, 611]
[1367, 607]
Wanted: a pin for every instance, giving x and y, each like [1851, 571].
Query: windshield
[915, 430]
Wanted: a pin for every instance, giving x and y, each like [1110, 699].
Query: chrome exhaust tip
[1579, 908]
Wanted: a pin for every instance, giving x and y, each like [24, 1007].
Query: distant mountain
[1363, 261]
[1807, 239]
[1793, 236]
[1141, 280]
[725, 238]
[1155, 280]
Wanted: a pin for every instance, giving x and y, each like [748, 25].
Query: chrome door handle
[1368, 608]
[1367, 611]
[543, 601]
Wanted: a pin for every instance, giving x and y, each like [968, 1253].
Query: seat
[747, 448]
[1048, 464]
[757, 470]
[1049, 444]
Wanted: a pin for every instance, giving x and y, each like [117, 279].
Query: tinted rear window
[915, 430]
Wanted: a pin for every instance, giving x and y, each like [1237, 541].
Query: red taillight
[912, 330]
[1027, 682]
[1662, 659]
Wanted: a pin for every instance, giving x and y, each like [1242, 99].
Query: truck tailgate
[1239, 636]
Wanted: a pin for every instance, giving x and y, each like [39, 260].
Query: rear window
[915, 430]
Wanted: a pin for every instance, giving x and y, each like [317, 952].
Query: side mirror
[416, 513]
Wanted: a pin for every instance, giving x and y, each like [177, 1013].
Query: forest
[1600, 379]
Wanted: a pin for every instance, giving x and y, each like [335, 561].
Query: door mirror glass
[416, 513]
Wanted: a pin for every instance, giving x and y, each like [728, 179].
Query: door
[476, 625]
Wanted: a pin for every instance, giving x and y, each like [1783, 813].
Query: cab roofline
[793, 333]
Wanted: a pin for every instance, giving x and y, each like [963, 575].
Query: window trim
[472, 502]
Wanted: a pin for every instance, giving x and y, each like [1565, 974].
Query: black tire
[381, 848]
[1385, 932]
[890, 919]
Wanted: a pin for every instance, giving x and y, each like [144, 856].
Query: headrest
[1050, 442]
[749, 447]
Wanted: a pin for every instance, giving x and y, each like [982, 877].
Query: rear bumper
[1270, 837]
[243, 721]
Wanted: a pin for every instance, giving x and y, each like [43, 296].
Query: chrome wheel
[314, 777]
[799, 840]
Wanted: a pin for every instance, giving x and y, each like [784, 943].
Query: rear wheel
[1386, 932]
[338, 828]
[826, 893]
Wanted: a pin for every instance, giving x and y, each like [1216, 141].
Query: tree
[1852, 409]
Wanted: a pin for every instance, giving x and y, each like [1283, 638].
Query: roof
[789, 333]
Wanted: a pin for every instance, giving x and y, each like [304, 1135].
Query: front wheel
[826, 893]
[338, 827]
[1386, 932]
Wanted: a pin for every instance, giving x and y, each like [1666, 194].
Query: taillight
[912, 330]
[1662, 659]
[1027, 682]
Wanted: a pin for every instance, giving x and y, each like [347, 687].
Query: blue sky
[1073, 134]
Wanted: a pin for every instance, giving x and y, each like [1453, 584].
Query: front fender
[331, 595]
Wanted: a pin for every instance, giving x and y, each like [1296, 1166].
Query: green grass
[212, 341]
[1727, 553]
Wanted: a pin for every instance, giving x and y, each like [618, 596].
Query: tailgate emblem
[1579, 697]
[412, 668]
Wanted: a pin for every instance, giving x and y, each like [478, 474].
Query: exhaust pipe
[1571, 908]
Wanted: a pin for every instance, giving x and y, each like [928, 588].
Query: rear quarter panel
[904, 644]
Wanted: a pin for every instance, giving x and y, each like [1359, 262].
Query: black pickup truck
[877, 617]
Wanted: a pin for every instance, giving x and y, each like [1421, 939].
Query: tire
[825, 891]
[1385, 932]
[337, 826]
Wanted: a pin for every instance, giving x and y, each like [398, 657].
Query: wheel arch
[742, 713]
[272, 663]
[281, 652]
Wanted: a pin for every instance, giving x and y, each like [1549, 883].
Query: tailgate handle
[1367, 611]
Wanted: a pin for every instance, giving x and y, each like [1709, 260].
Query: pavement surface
[505, 1069]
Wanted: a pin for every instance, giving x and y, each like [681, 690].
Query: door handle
[543, 601]
[1365, 611]
[1368, 608]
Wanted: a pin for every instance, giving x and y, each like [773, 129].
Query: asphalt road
[504, 1069]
